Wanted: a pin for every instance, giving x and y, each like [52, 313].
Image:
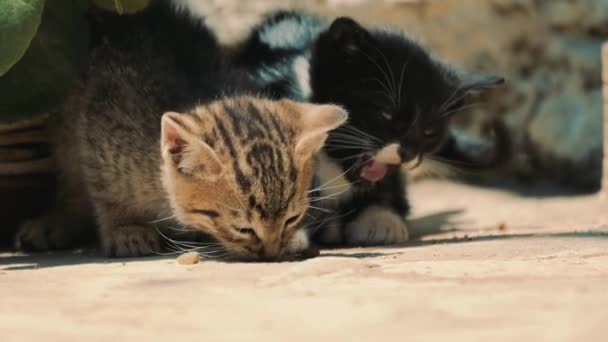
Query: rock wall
[548, 50]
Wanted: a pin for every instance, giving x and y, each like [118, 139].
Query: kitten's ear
[315, 123]
[476, 83]
[346, 33]
[184, 149]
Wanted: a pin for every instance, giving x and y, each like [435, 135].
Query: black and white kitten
[400, 100]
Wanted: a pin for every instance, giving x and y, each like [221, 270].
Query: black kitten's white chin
[389, 155]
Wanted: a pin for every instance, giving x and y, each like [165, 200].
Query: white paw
[300, 247]
[130, 241]
[376, 226]
[299, 242]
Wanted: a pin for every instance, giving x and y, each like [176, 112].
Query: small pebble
[189, 258]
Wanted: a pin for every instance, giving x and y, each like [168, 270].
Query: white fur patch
[334, 186]
[270, 74]
[285, 33]
[301, 68]
[298, 243]
[389, 155]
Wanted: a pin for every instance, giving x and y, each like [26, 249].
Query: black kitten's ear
[475, 83]
[346, 32]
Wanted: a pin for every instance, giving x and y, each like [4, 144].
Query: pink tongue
[373, 171]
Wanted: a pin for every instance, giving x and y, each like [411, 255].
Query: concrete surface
[490, 265]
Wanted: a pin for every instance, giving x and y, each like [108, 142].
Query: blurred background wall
[549, 50]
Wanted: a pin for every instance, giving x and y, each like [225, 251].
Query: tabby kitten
[235, 167]
[399, 99]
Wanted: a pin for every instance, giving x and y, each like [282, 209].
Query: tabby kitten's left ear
[315, 123]
[181, 147]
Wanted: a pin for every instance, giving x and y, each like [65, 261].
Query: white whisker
[328, 211]
[389, 88]
[164, 219]
[330, 196]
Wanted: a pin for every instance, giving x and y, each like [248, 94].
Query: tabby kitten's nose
[268, 253]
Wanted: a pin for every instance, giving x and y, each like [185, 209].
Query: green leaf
[56, 58]
[123, 6]
[19, 21]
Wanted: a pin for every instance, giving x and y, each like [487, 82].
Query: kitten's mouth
[376, 166]
[373, 170]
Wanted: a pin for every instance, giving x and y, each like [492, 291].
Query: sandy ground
[492, 265]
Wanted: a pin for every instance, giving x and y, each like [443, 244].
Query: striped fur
[254, 203]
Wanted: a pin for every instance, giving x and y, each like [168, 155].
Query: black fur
[170, 48]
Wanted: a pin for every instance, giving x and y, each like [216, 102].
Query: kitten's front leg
[130, 241]
[119, 238]
[376, 226]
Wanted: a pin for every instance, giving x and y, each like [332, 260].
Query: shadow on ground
[21, 261]
[14, 262]
[441, 222]
[534, 189]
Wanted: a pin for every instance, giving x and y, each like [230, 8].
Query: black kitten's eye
[246, 231]
[292, 220]
[430, 132]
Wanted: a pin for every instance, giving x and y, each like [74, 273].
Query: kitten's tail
[503, 145]
[477, 155]
[463, 158]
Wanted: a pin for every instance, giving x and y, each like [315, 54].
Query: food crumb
[502, 226]
[189, 258]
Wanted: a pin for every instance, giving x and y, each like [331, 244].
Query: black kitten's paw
[376, 226]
